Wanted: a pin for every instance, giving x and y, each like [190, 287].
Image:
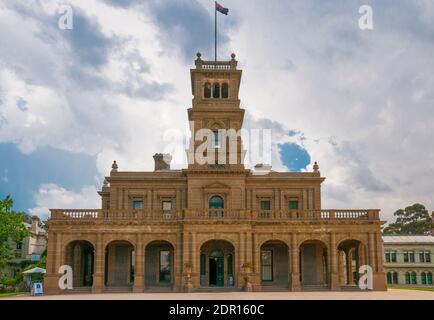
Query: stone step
[350, 288]
[78, 290]
[275, 289]
[118, 289]
[217, 289]
[315, 287]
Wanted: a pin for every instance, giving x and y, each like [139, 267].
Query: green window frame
[413, 278]
[137, 204]
[423, 278]
[407, 278]
[293, 204]
[389, 278]
[265, 205]
[429, 278]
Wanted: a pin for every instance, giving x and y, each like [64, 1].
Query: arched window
[225, 90]
[389, 278]
[407, 278]
[216, 203]
[423, 278]
[413, 278]
[429, 278]
[207, 90]
[216, 90]
[395, 278]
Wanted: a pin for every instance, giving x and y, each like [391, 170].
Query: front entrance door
[216, 269]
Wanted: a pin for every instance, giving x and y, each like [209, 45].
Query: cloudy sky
[360, 102]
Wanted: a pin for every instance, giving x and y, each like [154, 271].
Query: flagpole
[215, 29]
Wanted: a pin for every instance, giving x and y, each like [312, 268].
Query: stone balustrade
[215, 214]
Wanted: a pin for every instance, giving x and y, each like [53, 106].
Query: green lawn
[13, 294]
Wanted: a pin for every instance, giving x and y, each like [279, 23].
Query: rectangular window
[387, 256]
[266, 205]
[167, 205]
[165, 266]
[425, 256]
[265, 208]
[137, 204]
[393, 256]
[421, 256]
[19, 245]
[411, 255]
[293, 204]
[267, 265]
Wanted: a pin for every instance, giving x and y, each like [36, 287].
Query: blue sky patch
[21, 175]
[293, 156]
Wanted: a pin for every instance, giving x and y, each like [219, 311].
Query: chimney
[162, 161]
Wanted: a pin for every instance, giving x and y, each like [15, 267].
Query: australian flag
[221, 9]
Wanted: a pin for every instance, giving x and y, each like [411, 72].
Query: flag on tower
[221, 9]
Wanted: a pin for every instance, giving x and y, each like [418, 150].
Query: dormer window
[216, 90]
[207, 90]
[225, 90]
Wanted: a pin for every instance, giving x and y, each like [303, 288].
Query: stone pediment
[217, 185]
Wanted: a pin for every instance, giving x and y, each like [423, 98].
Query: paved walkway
[391, 294]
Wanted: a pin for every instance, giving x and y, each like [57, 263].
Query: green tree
[413, 219]
[11, 228]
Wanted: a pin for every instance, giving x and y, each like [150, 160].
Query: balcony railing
[214, 214]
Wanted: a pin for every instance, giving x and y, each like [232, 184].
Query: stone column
[349, 265]
[256, 276]
[195, 277]
[379, 279]
[139, 268]
[295, 272]
[51, 277]
[334, 272]
[99, 256]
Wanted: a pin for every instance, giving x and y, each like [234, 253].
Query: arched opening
[413, 278]
[423, 278]
[119, 264]
[217, 264]
[407, 278]
[207, 90]
[395, 278]
[313, 264]
[351, 255]
[389, 278]
[216, 90]
[159, 266]
[274, 264]
[80, 256]
[216, 205]
[429, 278]
[225, 90]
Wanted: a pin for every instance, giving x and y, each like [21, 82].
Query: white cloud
[363, 100]
[52, 196]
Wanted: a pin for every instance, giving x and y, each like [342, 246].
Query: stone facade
[216, 224]
[409, 260]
